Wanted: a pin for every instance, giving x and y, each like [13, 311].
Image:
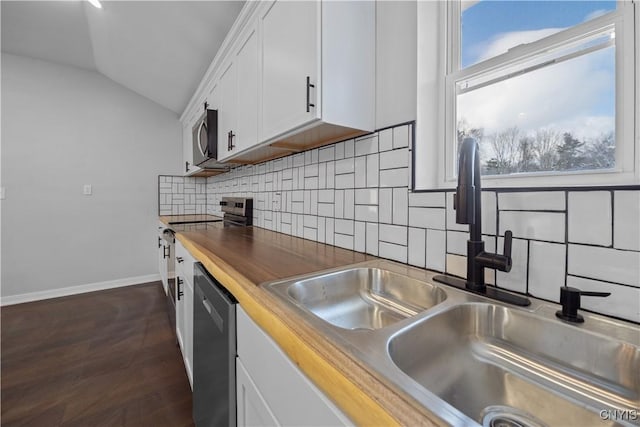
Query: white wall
[63, 127]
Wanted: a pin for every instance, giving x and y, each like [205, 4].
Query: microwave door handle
[203, 150]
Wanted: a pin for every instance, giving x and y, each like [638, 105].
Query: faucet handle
[508, 239]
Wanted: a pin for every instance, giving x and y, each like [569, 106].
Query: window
[546, 87]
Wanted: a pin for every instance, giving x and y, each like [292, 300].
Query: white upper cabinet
[293, 75]
[247, 69]
[238, 107]
[290, 58]
[227, 111]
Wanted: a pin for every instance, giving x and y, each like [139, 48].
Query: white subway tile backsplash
[532, 201]
[386, 205]
[385, 139]
[590, 217]
[345, 166]
[489, 213]
[349, 203]
[343, 226]
[339, 152]
[343, 241]
[623, 302]
[331, 176]
[330, 225]
[427, 218]
[546, 269]
[457, 242]
[360, 180]
[547, 226]
[394, 159]
[451, 215]
[349, 148]
[427, 200]
[516, 279]
[339, 204]
[401, 136]
[354, 194]
[457, 265]
[611, 265]
[326, 154]
[400, 208]
[367, 145]
[345, 181]
[367, 197]
[373, 172]
[417, 246]
[367, 213]
[392, 234]
[626, 230]
[310, 233]
[325, 209]
[394, 177]
[359, 236]
[372, 238]
[322, 230]
[394, 252]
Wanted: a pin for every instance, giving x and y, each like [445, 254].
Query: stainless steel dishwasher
[214, 352]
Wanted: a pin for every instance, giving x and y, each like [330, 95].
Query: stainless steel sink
[470, 360]
[362, 298]
[489, 360]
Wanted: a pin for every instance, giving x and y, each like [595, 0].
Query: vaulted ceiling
[159, 49]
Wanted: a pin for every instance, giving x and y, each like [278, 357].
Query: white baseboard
[73, 290]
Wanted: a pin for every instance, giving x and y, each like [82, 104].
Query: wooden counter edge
[347, 389]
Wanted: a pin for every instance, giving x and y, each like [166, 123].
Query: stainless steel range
[238, 210]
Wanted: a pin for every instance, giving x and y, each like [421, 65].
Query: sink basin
[494, 362]
[361, 298]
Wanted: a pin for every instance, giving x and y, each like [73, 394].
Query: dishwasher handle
[215, 316]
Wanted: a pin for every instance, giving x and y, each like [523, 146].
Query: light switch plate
[87, 190]
[1, 193]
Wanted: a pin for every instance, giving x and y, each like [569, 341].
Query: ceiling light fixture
[95, 3]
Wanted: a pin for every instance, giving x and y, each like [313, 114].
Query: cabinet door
[290, 396]
[252, 409]
[187, 336]
[227, 120]
[180, 307]
[247, 92]
[290, 54]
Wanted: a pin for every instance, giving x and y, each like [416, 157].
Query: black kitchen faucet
[468, 205]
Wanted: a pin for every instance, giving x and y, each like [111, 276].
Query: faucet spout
[469, 190]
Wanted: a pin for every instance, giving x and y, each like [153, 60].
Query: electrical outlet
[276, 201]
[87, 190]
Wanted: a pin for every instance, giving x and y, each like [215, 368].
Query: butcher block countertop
[241, 258]
[177, 219]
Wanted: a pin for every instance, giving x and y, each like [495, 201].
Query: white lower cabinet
[271, 390]
[184, 306]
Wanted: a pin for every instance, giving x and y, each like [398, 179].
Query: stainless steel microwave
[205, 141]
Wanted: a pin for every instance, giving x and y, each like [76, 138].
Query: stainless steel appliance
[205, 141]
[237, 210]
[214, 352]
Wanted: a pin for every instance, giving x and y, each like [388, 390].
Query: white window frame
[438, 74]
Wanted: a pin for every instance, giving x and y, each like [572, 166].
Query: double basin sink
[468, 359]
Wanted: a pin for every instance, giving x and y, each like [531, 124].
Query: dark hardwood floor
[106, 358]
